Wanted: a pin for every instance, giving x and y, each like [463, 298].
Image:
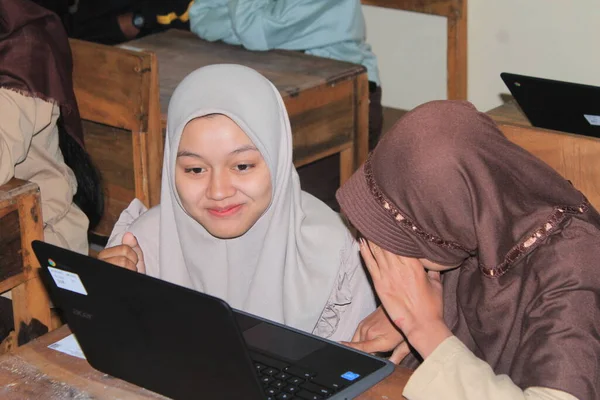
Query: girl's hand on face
[377, 334]
[128, 255]
[411, 296]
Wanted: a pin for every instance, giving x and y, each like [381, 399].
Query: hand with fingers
[377, 334]
[127, 255]
[411, 296]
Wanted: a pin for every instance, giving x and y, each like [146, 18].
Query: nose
[220, 186]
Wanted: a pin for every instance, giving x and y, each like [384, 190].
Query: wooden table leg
[347, 164]
[360, 148]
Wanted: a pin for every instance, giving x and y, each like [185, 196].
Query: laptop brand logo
[51, 262]
[82, 314]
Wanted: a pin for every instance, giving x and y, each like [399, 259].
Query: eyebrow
[186, 153]
[242, 149]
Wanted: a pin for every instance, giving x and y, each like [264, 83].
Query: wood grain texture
[319, 94]
[30, 299]
[180, 53]
[109, 85]
[456, 52]
[575, 157]
[11, 261]
[117, 93]
[35, 371]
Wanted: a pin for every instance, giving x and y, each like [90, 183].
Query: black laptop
[562, 106]
[185, 344]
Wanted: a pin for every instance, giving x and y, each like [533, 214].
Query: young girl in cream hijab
[233, 221]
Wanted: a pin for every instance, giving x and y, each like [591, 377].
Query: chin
[226, 233]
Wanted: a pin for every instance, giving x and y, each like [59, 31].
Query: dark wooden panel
[322, 128]
[115, 201]
[11, 259]
[111, 150]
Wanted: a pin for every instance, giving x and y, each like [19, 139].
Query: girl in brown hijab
[486, 262]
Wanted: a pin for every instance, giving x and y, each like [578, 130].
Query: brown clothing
[29, 151]
[445, 184]
[36, 59]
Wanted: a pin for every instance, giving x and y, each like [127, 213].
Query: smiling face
[221, 178]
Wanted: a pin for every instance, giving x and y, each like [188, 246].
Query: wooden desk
[575, 157]
[509, 113]
[34, 371]
[21, 223]
[327, 100]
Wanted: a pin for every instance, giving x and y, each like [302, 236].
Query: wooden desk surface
[181, 52]
[509, 113]
[34, 371]
[327, 100]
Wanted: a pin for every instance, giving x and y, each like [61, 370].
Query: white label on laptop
[592, 119]
[68, 345]
[67, 280]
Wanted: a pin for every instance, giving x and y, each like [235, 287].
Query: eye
[194, 171]
[244, 167]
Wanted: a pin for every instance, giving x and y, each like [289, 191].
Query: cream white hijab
[285, 266]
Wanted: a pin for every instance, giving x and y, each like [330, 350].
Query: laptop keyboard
[283, 381]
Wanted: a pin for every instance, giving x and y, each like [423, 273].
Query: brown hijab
[445, 184]
[35, 58]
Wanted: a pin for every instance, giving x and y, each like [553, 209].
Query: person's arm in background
[285, 24]
[18, 121]
[116, 26]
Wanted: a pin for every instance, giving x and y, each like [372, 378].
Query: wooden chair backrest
[575, 157]
[456, 13]
[21, 223]
[117, 92]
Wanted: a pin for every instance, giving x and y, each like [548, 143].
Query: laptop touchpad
[278, 341]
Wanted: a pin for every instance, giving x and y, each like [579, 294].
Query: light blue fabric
[325, 28]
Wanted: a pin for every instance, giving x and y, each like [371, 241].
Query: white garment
[285, 267]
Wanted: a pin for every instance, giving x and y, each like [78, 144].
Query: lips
[225, 211]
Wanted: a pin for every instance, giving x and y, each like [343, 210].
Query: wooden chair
[20, 224]
[117, 91]
[456, 13]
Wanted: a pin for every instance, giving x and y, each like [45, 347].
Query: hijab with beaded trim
[284, 267]
[445, 184]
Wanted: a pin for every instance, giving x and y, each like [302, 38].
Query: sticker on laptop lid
[592, 119]
[68, 345]
[67, 280]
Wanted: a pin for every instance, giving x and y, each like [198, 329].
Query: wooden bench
[21, 223]
[117, 94]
